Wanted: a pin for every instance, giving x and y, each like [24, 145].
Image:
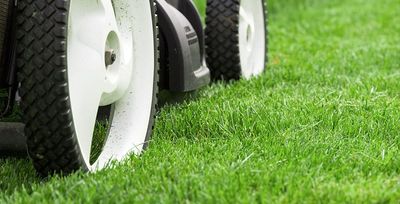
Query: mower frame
[182, 62]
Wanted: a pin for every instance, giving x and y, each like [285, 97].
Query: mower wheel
[236, 38]
[89, 79]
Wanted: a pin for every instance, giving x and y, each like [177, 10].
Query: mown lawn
[321, 125]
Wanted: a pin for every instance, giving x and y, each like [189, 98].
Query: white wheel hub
[252, 37]
[111, 61]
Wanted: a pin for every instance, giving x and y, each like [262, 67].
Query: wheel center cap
[112, 50]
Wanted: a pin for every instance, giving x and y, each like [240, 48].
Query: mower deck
[12, 139]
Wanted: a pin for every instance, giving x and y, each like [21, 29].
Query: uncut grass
[321, 125]
[100, 136]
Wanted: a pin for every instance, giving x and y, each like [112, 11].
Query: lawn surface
[321, 125]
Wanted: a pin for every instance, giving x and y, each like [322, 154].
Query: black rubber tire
[42, 63]
[222, 39]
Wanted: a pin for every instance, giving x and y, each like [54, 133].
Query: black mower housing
[182, 60]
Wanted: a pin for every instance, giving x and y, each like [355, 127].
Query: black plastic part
[183, 66]
[7, 61]
[189, 10]
[12, 140]
[8, 69]
[4, 24]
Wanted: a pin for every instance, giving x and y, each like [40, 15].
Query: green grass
[322, 125]
[201, 7]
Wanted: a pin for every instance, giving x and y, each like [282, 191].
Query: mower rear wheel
[87, 67]
[236, 38]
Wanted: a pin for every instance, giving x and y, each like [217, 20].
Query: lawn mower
[84, 75]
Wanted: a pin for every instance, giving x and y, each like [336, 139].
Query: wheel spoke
[244, 16]
[111, 21]
[86, 79]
